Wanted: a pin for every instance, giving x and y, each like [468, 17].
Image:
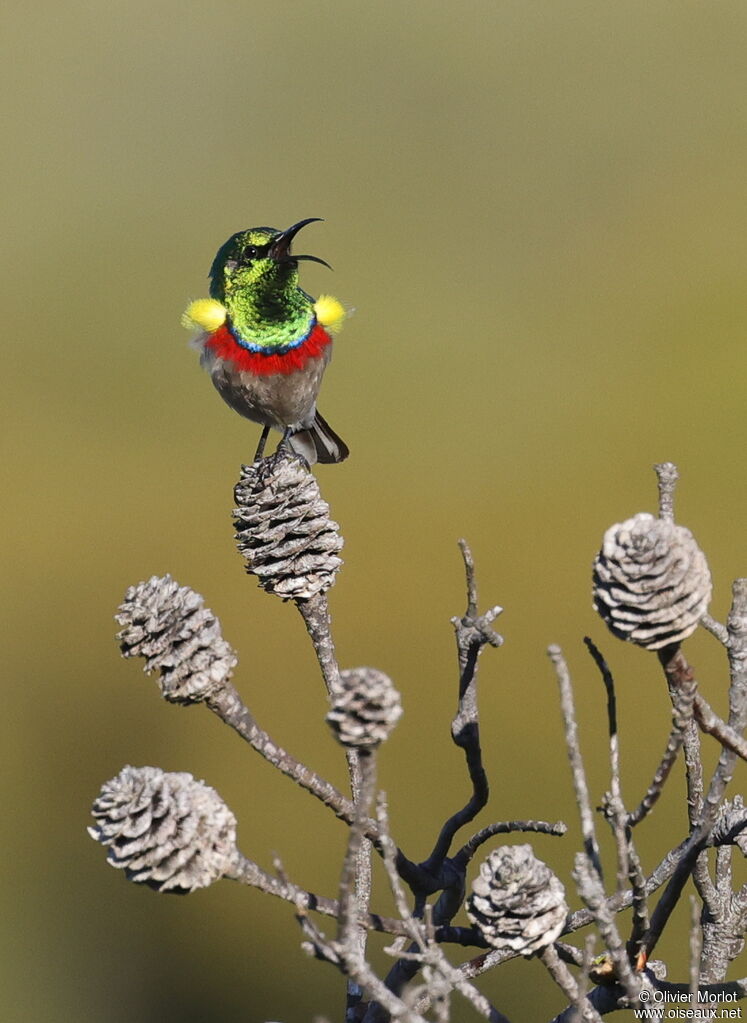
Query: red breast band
[225, 346]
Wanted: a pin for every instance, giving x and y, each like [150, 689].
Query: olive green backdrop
[538, 212]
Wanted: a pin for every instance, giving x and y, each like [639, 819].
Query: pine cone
[168, 831]
[283, 528]
[517, 903]
[651, 581]
[366, 709]
[178, 636]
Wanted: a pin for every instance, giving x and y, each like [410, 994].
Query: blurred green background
[538, 212]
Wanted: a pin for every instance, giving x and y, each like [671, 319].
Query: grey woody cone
[651, 581]
[165, 830]
[283, 528]
[169, 626]
[366, 708]
[517, 903]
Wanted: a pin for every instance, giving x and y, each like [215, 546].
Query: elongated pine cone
[517, 903]
[366, 709]
[652, 583]
[178, 636]
[165, 830]
[283, 528]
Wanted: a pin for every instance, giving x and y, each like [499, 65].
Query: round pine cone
[178, 636]
[366, 708]
[165, 830]
[517, 903]
[283, 528]
[651, 581]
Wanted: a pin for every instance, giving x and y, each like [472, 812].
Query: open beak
[280, 248]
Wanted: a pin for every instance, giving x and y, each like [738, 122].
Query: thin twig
[412, 926]
[574, 755]
[443, 978]
[227, 704]
[640, 907]
[473, 632]
[682, 711]
[713, 725]
[583, 978]
[628, 862]
[681, 680]
[247, 872]
[737, 652]
[590, 889]
[609, 685]
[696, 947]
[613, 806]
[470, 847]
[716, 629]
[351, 937]
[666, 477]
[349, 930]
[360, 975]
[567, 984]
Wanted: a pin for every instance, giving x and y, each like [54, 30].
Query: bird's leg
[285, 442]
[262, 441]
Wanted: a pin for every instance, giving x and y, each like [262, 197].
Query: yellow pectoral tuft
[205, 314]
[330, 313]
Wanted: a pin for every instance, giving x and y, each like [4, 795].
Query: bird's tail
[319, 443]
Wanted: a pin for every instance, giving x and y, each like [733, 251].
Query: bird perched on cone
[266, 343]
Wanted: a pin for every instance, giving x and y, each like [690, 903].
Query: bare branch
[713, 725]
[229, 707]
[667, 476]
[737, 650]
[574, 755]
[681, 680]
[682, 711]
[716, 629]
[350, 910]
[315, 614]
[473, 632]
[468, 850]
[696, 947]
[247, 872]
[613, 806]
[628, 863]
[590, 889]
[316, 617]
[567, 984]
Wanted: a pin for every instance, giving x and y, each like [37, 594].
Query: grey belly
[279, 400]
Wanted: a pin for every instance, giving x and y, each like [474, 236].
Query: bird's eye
[251, 252]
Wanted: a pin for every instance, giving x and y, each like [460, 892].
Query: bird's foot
[259, 453]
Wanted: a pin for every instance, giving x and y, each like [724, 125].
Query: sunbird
[266, 342]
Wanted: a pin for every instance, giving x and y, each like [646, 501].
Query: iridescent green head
[258, 264]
